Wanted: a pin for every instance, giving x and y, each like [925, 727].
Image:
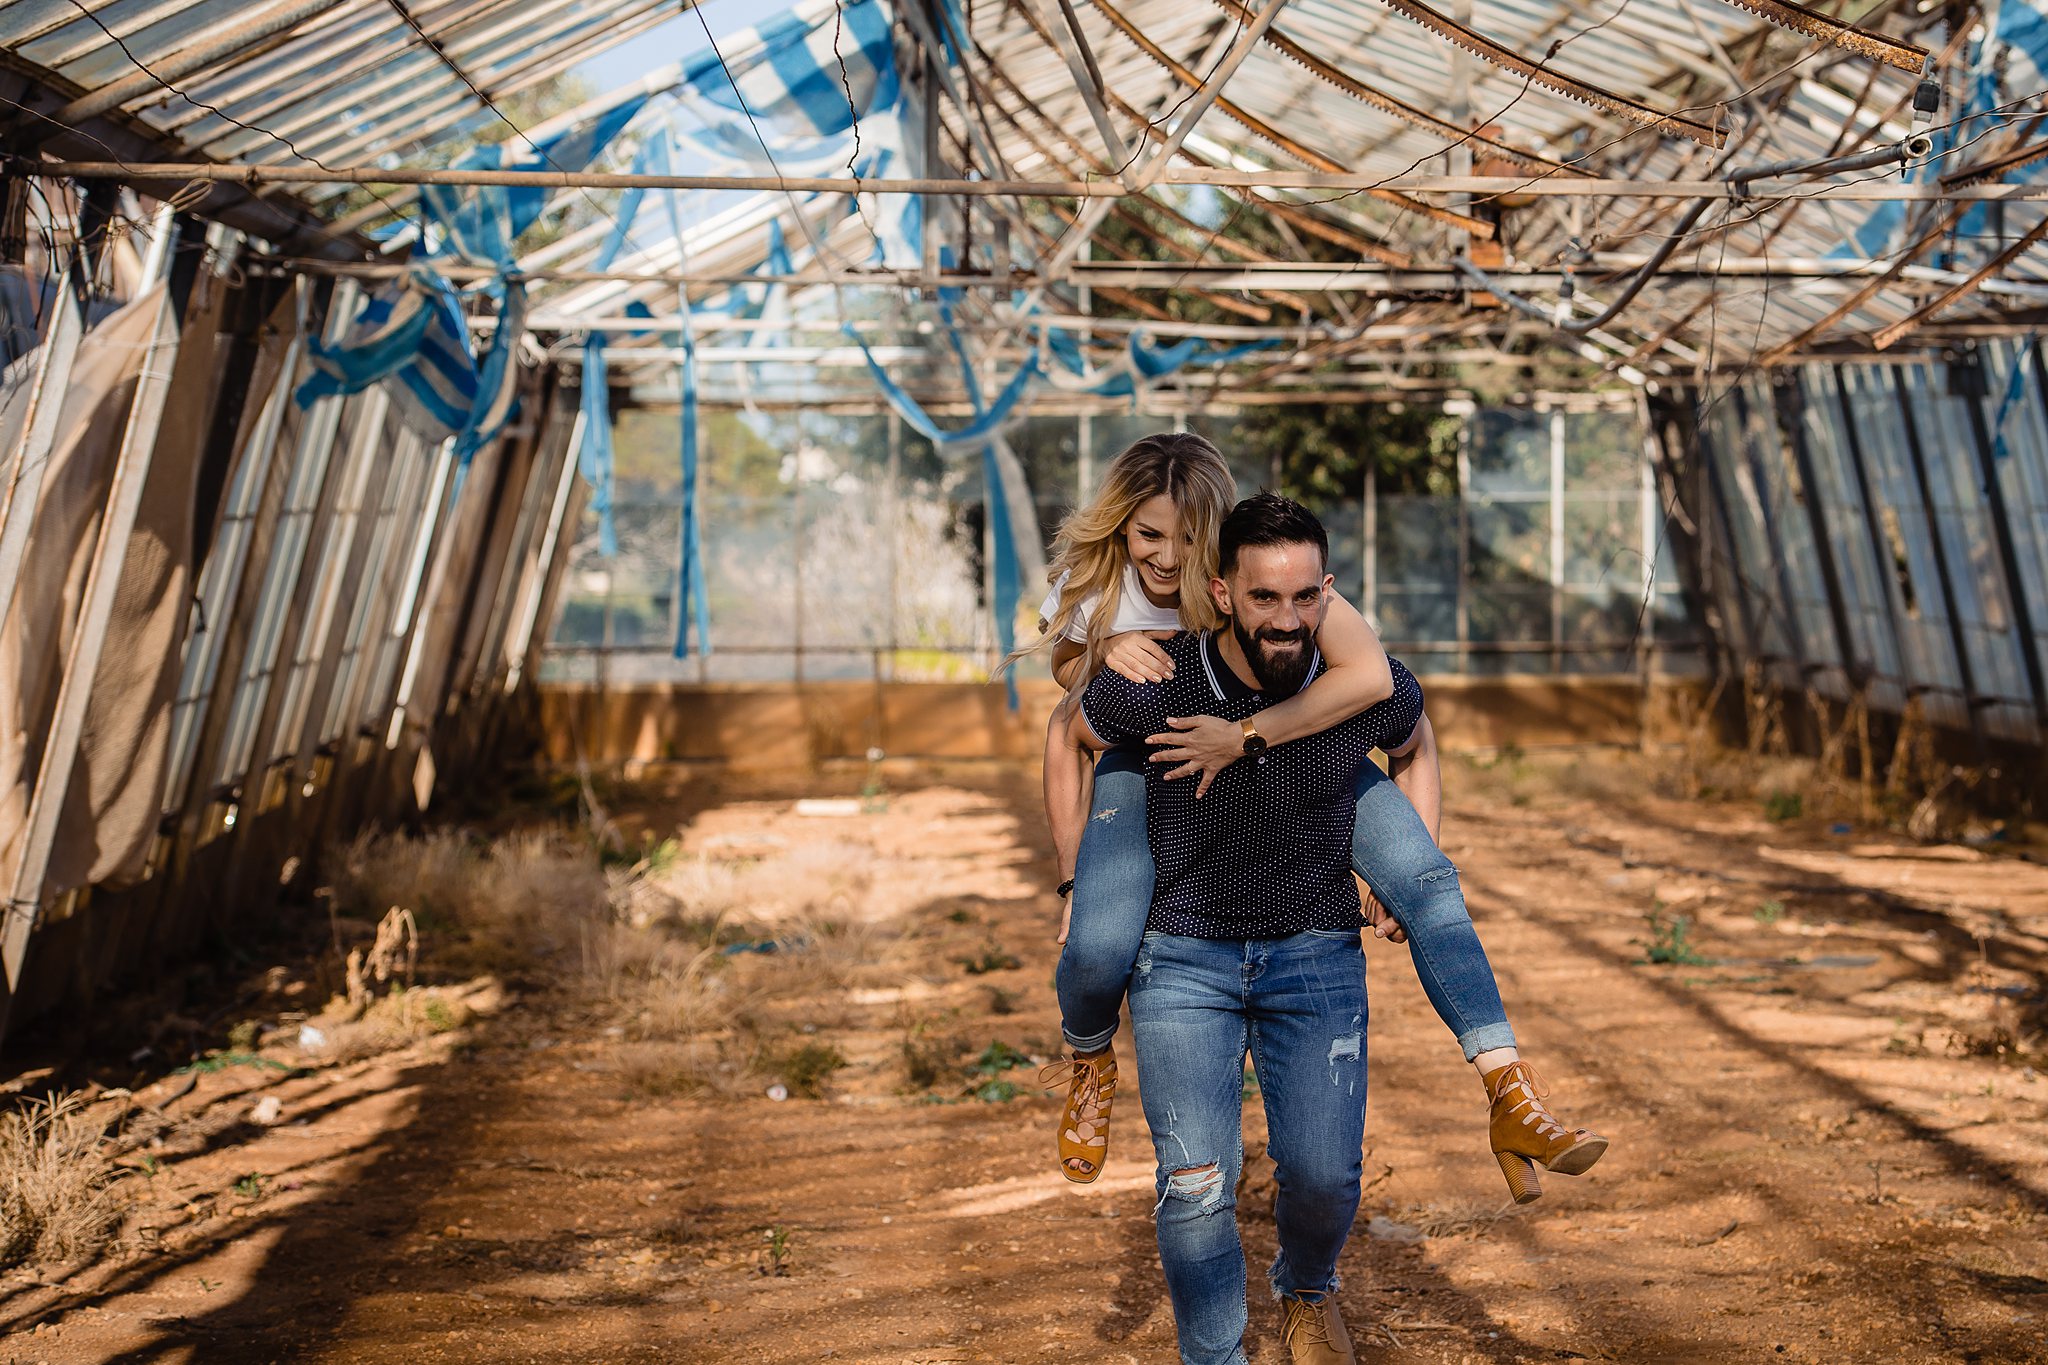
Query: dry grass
[57, 1202]
[403, 1017]
[708, 964]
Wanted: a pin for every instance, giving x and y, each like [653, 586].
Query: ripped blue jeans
[1390, 848]
[1298, 1005]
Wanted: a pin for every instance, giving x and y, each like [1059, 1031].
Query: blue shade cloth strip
[412, 336]
[2011, 65]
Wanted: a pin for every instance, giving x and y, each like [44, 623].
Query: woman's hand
[1137, 655]
[1200, 744]
[1381, 920]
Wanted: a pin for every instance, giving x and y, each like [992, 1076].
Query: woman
[1146, 545]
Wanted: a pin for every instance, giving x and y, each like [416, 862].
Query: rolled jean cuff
[1101, 1040]
[1280, 1291]
[1486, 1038]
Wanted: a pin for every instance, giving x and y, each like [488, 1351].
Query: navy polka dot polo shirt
[1267, 853]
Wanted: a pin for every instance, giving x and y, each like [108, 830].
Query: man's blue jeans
[1390, 848]
[1298, 1004]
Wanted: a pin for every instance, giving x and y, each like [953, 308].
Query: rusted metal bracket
[1297, 150]
[1538, 73]
[1400, 109]
[1878, 47]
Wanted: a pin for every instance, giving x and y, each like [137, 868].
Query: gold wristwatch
[1254, 742]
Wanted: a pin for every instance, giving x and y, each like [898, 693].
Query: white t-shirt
[1134, 610]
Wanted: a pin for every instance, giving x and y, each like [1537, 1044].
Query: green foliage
[994, 958]
[218, 1060]
[250, 1186]
[1323, 451]
[776, 1255]
[1670, 942]
[995, 1059]
[805, 1069]
[739, 460]
[1782, 806]
[1770, 912]
[999, 1057]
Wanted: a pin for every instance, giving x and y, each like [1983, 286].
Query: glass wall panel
[840, 546]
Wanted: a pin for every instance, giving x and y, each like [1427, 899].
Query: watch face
[1255, 744]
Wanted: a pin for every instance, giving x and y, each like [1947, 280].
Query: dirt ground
[1818, 1153]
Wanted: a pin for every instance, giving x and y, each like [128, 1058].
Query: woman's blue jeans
[1390, 848]
[1298, 1005]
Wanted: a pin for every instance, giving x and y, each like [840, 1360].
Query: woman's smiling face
[1157, 545]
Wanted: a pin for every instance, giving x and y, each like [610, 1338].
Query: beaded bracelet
[1064, 887]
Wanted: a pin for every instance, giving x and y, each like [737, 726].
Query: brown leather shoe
[1084, 1118]
[1524, 1131]
[1314, 1330]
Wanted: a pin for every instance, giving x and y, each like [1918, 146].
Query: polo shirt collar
[1223, 679]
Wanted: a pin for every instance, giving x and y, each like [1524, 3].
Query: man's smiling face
[1275, 598]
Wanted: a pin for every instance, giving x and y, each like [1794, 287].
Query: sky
[678, 38]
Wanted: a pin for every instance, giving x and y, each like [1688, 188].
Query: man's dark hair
[1268, 519]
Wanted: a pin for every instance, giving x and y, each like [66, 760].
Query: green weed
[994, 958]
[775, 1256]
[806, 1069]
[1770, 912]
[1782, 806]
[1670, 942]
[218, 1060]
[988, 1070]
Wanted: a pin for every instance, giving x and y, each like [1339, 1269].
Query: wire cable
[197, 103]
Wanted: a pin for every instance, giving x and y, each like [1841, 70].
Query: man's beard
[1280, 672]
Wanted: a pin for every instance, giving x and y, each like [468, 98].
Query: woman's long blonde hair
[1091, 553]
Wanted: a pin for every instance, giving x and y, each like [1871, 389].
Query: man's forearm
[1420, 778]
[1355, 677]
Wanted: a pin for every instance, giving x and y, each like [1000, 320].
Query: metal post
[2008, 556]
[396, 561]
[1464, 610]
[1369, 600]
[1873, 529]
[535, 588]
[271, 455]
[796, 558]
[415, 598]
[1795, 632]
[1649, 533]
[1084, 465]
[895, 523]
[1790, 407]
[331, 623]
[334, 475]
[81, 665]
[54, 362]
[1957, 641]
[1736, 599]
[1556, 540]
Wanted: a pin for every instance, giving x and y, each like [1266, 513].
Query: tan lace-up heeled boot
[1084, 1118]
[1524, 1132]
[1314, 1331]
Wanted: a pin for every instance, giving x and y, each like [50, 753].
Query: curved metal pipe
[1899, 153]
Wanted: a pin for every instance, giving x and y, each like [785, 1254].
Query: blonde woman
[1146, 547]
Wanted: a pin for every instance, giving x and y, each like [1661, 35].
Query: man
[1253, 943]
